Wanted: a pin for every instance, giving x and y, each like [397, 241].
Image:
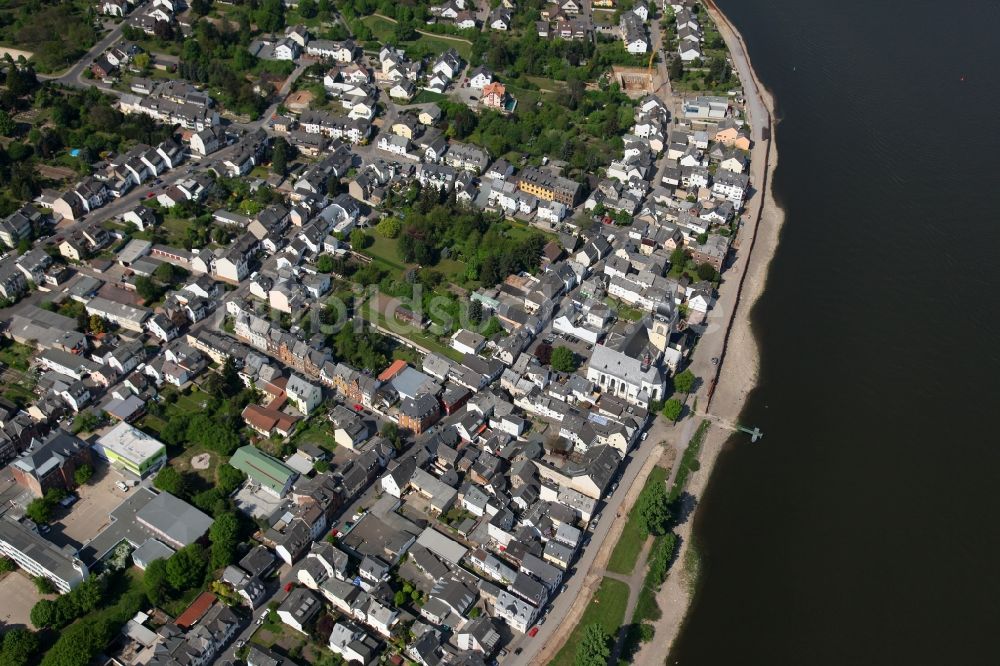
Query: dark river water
[865, 527]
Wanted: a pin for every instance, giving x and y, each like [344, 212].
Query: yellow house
[727, 135]
[403, 129]
[605, 4]
[742, 141]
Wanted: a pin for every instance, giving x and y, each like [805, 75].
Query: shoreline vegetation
[738, 373]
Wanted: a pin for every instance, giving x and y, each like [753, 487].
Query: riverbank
[736, 374]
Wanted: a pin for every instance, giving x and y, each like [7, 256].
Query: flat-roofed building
[130, 448]
[173, 521]
[40, 557]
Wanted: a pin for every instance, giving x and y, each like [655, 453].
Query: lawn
[317, 432]
[384, 31]
[630, 543]
[624, 311]
[16, 355]
[606, 608]
[385, 252]
[427, 96]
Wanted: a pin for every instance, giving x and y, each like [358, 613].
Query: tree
[83, 474]
[307, 8]
[706, 271]
[563, 359]
[186, 567]
[7, 565]
[39, 510]
[43, 613]
[653, 508]
[19, 646]
[201, 7]
[676, 70]
[475, 311]
[543, 352]
[279, 156]
[97, 325]
[324, 263]
[224, 536]
[228, 478]
[684, 381]
[672, 409]
[141, 61]
[154, 580]
[270, 16]
[7, 124]
[594, 648]
[389, 227]
[359, 239]
[43, 585]
[169, 480]
[391, 432]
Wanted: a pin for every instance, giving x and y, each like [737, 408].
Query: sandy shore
[737, 374]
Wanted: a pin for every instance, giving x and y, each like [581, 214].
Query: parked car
[533, 632]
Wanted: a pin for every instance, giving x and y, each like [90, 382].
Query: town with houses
[406, 486]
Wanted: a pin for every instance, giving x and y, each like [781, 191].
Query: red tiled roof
[393, 370]
[196, 610]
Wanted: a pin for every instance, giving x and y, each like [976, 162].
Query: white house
[305, 396]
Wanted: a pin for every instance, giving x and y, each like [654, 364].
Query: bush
[43, 585]
[83, 474]
[7, 565]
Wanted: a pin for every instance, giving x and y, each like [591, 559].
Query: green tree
[324, 263]
[83, 474]
[39, 510]
[307, 8]
[97, 325]
[19, 646]
[684, 381]
[563, 359]
[359, 239]
[7, 565]
[201, 7]
[224, 537]
[169, 480]
[706, 271]
[43, 613]
[280, 154]
[43, 585]
[270, 15]
[672, 409]
[389, 227]
[7, 124]
[653, 509]
[676, 70]
[594, 648]
[154, 580]
[186, 567]
[228, 478]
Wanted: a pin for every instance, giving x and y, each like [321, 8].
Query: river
[863, 528]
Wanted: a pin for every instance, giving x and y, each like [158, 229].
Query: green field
[384, 31]
[385, 252]
[626, 552]
[606, 608]
[16, 355]
[317, 433]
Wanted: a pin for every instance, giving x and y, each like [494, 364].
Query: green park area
[606, 609]
[384, 30]
[634, 535]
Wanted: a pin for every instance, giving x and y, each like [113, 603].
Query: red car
[288, 586]
[150, 195]
[358, 408]
[533, 632]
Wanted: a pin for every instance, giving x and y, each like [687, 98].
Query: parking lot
[19, 597]
[92, 512]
